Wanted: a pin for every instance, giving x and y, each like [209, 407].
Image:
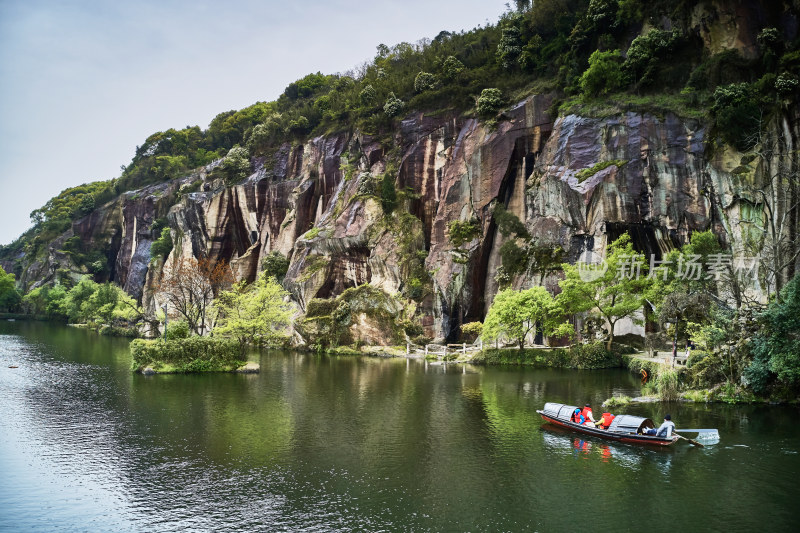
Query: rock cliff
[320, 205]
[349, 208]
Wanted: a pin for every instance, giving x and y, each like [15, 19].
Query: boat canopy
[559, 410]
[630, 424]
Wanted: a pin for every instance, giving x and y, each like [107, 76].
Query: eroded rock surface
[320, 205]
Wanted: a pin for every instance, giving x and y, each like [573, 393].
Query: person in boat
[665, 429]
[605, 421]
[577, 417]
[587, 415]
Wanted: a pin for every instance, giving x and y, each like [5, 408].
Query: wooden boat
[624, 428]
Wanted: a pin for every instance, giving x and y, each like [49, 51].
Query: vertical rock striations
[575, 183]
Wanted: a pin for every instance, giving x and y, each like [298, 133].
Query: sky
[82, 83]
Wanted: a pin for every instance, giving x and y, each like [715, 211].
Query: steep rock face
[121, 229]
[655, 192]
[321, 205]
[734, 25]
[324, 204]
[481, 168]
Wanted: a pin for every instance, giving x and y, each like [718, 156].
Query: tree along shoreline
[665, 383]
[108, 330]
[740, 353]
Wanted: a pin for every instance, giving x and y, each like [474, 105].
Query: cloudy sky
[83, 82]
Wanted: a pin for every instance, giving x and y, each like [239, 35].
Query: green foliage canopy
[737, 114]
[463, 232]
[424, 81]
[10, 297]
[87, 302]
[514, 314]
[236, 165]
[615, 293]
[776, 348]
[393, 106]
[275, 265]
[490, 102]
[604, 74]
[162, 246]
[254, 314]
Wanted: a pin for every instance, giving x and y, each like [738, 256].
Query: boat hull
[630, 438]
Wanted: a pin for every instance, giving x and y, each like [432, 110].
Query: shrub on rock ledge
[489, 102]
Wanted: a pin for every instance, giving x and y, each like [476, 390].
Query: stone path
[663, 357]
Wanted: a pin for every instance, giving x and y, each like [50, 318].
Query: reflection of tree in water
[219, 417]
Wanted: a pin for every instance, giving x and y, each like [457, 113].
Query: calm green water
[315, 443]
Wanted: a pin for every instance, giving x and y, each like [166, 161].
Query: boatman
[664, 430]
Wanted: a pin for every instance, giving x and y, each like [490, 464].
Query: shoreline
[697, 396]
[164, 368]
[534, 357]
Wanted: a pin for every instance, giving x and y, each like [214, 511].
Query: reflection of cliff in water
[565, 442]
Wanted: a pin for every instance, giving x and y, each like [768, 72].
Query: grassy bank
[583, 356]
[667, 383]
[194, 354]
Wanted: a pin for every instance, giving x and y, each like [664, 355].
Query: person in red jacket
[577, 417]
[587, 414]
[605, 421]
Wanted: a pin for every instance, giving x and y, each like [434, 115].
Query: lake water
[341, 444]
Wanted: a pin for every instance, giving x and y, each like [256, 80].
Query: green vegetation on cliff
[329, 322]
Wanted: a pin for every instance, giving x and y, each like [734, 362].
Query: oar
[691, 441]
[698, 430]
